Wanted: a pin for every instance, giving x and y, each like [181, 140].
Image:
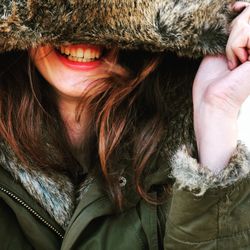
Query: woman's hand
[220, 88]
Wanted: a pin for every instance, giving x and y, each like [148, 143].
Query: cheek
[65, 81]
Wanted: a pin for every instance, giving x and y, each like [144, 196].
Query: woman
[89, 138]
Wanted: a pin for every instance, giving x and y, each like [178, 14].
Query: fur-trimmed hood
[188, 27]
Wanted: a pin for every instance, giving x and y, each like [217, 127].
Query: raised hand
[221, 85]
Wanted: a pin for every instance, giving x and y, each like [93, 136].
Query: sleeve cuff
[192, 176]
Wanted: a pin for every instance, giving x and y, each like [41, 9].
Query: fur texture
[190, 175]
[188, 27]
[54, 192]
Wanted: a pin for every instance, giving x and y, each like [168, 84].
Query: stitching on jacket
[206, 241]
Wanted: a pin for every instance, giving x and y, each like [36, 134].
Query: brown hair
[128, 121]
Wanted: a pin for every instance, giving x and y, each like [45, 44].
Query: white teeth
[97, 54]
[87, 54]
[92, 54]
[62, 49]
[77, 59]
[79, 52]
[67, 51]
[73, 52]
[81, 55]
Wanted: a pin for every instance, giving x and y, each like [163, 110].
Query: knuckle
[236, 49]
[234, 40]
[222, 98]
[213, 94]
[233, 46]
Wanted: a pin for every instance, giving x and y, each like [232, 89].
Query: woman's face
[69, 68]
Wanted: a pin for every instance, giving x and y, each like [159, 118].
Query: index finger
[239, 6]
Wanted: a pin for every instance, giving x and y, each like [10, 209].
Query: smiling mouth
[82, 53]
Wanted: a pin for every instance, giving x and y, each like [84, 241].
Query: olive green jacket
[218, 219]
[202, 211]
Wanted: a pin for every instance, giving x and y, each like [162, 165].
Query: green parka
[202, 211]
[218, 219]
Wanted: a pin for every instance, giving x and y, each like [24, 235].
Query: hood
[188, 27]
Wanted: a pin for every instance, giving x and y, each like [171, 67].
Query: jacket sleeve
[209, 211]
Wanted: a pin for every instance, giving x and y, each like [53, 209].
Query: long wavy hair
[128, 116]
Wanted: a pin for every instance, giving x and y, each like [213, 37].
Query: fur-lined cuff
[190, 175]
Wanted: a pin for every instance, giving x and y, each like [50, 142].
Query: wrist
[216, 135]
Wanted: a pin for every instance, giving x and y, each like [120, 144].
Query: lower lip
[83, 66]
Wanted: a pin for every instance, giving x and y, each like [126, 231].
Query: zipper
[31, 210]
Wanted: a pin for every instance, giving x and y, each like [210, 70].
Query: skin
[69, 85]
[220, 87]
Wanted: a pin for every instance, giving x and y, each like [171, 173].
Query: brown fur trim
[53, 191]
[188, 27]
[190, 175]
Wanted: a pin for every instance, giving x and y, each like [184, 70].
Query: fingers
[238, 45]
[239, 6]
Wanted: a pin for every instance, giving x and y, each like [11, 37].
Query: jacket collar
[54, 192]
[16, 189]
